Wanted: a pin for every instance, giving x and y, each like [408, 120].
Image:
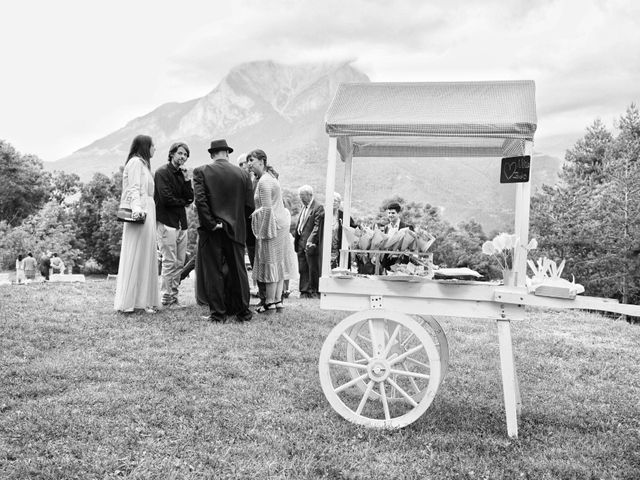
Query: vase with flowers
[503, 248]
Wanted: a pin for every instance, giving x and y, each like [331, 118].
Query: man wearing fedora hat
[224, 200]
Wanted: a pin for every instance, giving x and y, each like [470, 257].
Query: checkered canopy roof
[443, 119]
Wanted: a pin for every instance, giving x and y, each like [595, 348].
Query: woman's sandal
[279, 306]
[266, 308]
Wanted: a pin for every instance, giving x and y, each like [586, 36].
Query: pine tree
[562, 216]
[617, 211]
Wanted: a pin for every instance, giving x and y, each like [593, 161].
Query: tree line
[590, 217]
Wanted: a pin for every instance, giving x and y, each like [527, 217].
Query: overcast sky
[74, 71]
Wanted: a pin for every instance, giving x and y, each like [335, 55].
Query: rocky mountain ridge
[280, 109]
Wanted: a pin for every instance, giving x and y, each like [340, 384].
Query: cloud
[79, 70]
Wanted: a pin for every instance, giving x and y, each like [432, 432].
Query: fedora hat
[217, 145]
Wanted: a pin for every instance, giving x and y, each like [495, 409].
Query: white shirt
[393, 228]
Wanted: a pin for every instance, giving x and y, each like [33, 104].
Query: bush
[92, 267]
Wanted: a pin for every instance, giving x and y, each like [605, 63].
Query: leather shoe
[245, 316]
[215, 317]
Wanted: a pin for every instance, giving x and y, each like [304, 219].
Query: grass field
[87, 393]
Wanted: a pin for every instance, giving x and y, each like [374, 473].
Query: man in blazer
[224, 200]
[395, 224]
[308, 242]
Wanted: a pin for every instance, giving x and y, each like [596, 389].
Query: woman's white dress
[270, 222]
[137, 284]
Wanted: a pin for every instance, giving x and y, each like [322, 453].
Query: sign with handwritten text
[515, 169]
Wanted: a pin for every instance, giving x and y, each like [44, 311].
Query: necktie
[303, 218]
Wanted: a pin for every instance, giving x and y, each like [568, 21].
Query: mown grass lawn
[88, 393]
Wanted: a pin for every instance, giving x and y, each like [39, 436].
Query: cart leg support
[512, 402]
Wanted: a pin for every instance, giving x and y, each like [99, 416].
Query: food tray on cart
[404, 278]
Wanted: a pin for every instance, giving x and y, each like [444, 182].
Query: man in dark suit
[224, 200]
[308, 242]
[395, 224]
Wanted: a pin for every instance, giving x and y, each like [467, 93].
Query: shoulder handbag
[126, 215]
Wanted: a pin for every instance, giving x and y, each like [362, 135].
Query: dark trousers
[221, 276]
[309, 270]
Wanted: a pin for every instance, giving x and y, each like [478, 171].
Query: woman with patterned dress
[137, 284]
[270, 223]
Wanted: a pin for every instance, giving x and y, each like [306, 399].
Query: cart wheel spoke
[356, 346]
[350, 383]
[408, 373]
[333, 361]
[391, 341]
[416, 388]
[385, 404]
[406, 354]
[365, 397]
[406, 340]
[403, 393]
[363, 337]
[416, 362]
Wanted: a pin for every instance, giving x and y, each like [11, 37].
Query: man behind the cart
[395, 224]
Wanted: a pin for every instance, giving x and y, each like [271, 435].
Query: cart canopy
[442, 119]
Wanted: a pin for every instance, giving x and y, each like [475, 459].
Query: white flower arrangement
[503, 248]
[547, 272]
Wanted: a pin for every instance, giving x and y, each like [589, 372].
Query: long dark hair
[260, 155]
[141, 147]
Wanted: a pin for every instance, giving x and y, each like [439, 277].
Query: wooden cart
[382, 365]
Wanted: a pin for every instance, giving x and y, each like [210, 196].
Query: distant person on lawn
[137, 284]
[57, 265]
[173, 192]
[30, 265]
[19, 270]
[224, 200]
[45, 265]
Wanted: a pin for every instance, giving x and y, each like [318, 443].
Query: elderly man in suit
[308, 242]
[224, 200]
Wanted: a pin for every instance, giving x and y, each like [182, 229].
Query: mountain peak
[288, 89]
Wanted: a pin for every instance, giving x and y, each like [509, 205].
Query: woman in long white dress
[137, 285]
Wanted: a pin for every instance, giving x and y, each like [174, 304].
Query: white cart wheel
[359, 333]
[398, 357]
[443, 343]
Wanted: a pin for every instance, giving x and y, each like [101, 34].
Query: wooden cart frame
[382, 365]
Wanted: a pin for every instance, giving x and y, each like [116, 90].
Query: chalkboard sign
[515, 169]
